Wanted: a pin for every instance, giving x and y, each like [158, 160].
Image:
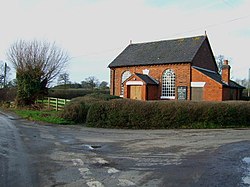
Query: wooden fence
[53, 103]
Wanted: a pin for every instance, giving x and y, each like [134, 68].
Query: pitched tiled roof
[160, 52]
[234, 84]
[147, 79]
[217, 77]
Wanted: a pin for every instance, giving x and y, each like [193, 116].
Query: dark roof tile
[147, 79]
[160, 52]
[217, 77]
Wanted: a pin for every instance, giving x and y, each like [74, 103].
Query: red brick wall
[143, 92]
[112, 81]
[231, 94]
[152, 92]
[225, 75]
[213, 90]
[182, 75]
[226, 94]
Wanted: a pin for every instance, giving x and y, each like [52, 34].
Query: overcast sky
[94, 32]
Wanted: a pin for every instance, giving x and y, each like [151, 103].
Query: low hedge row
[131, 114]
[73, 93]
[77, 109]
[105, 111]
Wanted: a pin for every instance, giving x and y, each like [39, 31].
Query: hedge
[73, 93]
[77, 109]
[132, 114]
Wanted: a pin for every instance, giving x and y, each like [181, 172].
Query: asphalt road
[33, 154]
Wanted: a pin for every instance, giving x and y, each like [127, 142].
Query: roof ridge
[208, 70]
[165, 40]
[181, 50]
[153, 79]
[205, 37]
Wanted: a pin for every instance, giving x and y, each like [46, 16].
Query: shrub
[73, 93]
[8, 94]
[77, 109]
[76, 112]
[168, 114]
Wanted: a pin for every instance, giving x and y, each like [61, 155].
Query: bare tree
[63, 79]
[92, 82]
[103, 85]
[37, 64]
[220, 60]
[242, 82]
[45, 56]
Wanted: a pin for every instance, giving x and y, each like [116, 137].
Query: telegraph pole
[4, 76]
[248, 89]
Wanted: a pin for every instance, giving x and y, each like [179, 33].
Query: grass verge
[42, 115]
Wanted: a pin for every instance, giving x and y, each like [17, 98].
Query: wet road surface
[33, 154]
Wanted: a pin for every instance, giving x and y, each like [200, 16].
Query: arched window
[168, 84]
[125, 76]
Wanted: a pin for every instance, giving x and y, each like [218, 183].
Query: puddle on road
[92, 147]
[87, 147]
[246, 178]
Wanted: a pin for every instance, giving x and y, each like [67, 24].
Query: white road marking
[84, 172]
[95, 184]
[112, 170]
[246, 179]
[125, 182]
[77, 162]
[100, 161]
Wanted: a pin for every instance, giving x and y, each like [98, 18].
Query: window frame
[124, 77]
[168, 88]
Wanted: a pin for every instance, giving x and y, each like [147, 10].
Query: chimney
[225, 76]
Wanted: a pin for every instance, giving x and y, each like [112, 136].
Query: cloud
[160, 3]
[87, 27]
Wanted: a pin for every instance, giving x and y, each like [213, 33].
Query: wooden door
[135, 92]
[197, 94]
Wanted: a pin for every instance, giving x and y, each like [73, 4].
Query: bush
[76, 112]
[73, 93]
[168, 114]
[8, 94]
[77, 109]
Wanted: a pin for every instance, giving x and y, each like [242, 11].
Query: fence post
[48, 102]
[56, 104]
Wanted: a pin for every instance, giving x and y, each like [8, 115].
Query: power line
[176, 34]
[248, 90]
[96, 53]
[227, 3]
[213, 25]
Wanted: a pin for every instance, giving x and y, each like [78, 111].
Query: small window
[125, 76]
[168, 84]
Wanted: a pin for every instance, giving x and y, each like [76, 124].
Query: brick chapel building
[183, 69]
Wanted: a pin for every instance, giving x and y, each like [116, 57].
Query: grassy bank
[44, 116]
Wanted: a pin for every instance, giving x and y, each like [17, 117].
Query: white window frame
[168, 84]
[134, 83]
[198, 84]
[125, 75]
